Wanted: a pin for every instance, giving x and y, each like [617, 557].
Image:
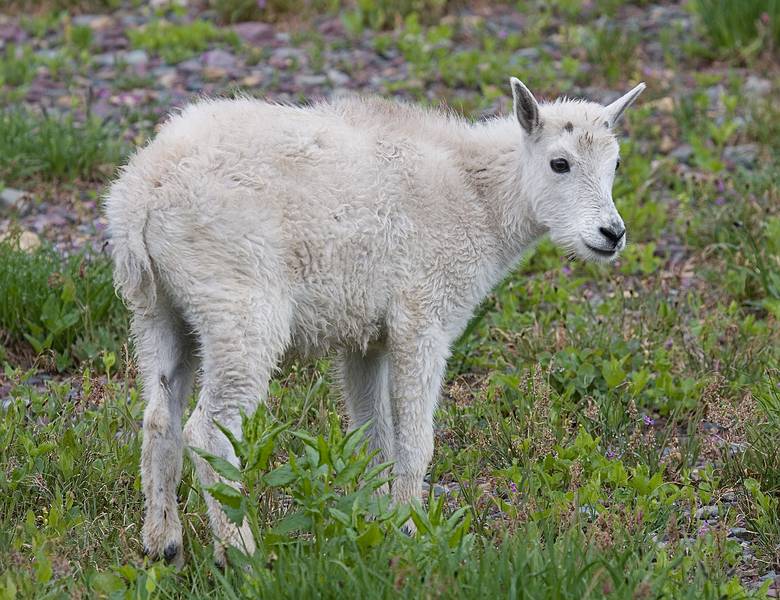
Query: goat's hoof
[172, 554]
[171, 551]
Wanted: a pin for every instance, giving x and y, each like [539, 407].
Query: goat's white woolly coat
[246, 231]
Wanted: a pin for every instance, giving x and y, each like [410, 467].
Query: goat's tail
[134, 276]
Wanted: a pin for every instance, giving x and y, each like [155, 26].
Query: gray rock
[288, 52]
[337, 78]
[706, 512]
[94, 22]
[135, 57]
[737, 448]
[757, 86]
[682, 153]
[332, 27]
[105, 59]
[438, 489]
[166, 76]
[715, 93]
[741, 154]
[10, 197]
[192, 65]
[529, 53]
[311, 80]
[220, 59]
[740, 532]
[194, 84]
[47, 54]
[254, 33]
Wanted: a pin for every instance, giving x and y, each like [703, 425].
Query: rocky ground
[136, 88]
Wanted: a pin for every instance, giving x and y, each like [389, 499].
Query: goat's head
[570, 156]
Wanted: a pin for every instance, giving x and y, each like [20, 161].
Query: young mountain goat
[246, 231]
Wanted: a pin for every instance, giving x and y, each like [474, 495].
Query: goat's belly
[328, 315]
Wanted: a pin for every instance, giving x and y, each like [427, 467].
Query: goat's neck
[495, 171]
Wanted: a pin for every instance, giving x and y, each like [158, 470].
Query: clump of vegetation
[64, 309]
[235, 11]
[177, 42]
[601, 45]
[375, 14]
[741, 25]
[77, 6]
[555, 530]
[53, 147]
[17, 65]
[386, 14]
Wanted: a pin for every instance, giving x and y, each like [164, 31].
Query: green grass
[57, 148]
[573, 523]
[64, 310]
[176, 42]
[747, 25]
[235, 11]
[74, 6]
[17, 65]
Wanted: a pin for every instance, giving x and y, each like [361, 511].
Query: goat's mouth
[597, 254]
[601, 251]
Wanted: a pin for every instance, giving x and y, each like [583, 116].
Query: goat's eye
[617, 164]
[560, 165]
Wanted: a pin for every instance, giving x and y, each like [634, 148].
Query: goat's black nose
[613, 235]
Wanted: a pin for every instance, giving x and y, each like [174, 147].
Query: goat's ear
[526, 107]
[614, 111]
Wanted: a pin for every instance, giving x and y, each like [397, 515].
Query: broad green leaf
[340, 516]
[307, 439]
[225, 494]
[239, 446]
[108, 583]
[351, 472]
[323, 450]
[280, 476]
[370, 537]
[295, 522]
[220, 465]
[353, 438]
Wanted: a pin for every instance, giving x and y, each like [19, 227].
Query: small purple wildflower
[720, 201]
[261, 4]
[720, 186]
[669, 343]
[610, 454]
[503, 34]
[566, 270]
[648, 421]
[704, 529]
[513, 487]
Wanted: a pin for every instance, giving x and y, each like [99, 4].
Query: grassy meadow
[604, 431]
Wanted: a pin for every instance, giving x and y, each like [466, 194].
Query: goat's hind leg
[364, 379]
[242, 345]
[167, 365]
